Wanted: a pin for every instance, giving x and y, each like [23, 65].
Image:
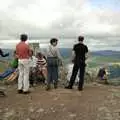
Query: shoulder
[85, 46]
[75, 45]
[18, 44]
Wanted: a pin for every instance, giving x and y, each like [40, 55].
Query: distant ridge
[106, 53]
[66, 52]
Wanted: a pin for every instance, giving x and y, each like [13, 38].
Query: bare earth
[96, 102]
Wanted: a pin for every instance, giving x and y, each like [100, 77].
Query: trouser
[33, 75]
[23, 79]
[52, 76]
[81, 69]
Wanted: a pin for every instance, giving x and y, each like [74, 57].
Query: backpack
[14, 63]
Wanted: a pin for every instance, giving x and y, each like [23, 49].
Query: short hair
[53, 40]
[39, 54]
[23, 37]
[81, 38]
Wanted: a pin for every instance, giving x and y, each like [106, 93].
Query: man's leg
[26, 76]
[49, 77]
[31, 77]
[73, 76]
[55, 76]
[21, 77]
[44, 72]
[81, 77]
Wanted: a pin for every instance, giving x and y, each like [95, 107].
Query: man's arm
[73, 56]
[87, 53]
[58, 54]
[2, 54]
[60, 57]
[16, 52]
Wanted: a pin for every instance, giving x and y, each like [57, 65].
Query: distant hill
[66, 52]
[106, 53]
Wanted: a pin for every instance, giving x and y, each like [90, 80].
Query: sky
[96, 20]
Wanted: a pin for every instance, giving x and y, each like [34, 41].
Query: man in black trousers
[80, 52]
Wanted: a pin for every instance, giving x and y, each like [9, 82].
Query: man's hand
[73, 61]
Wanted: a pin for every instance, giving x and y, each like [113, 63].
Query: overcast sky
[97, 20]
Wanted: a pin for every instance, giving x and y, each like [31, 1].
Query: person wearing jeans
[53, 57]
[23, 55]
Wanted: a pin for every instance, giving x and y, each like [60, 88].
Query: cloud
[61, 18]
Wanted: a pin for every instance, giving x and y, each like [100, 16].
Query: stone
[72, 115]
[56, 98]
[9, 114]
[40, 110]
[31, 109]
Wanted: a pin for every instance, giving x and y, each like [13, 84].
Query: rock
[107, 118]
[28, 119]
[40, 110]
[31, 109]
[0, 110]
[102, 108]
[51, 108]
[62, 105]
[117, 111]
[72, 115]
[108, 115]
[6, 109]
[9, 114]
[116, 94]
[56, 98]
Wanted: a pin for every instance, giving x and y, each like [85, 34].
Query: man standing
[23, 54]
[3, 54]
[80, 51]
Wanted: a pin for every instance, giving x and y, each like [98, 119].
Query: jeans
[81, 68]
[23, 80]
[33, 75]
[52, 69]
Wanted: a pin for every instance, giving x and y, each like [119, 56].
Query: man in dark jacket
[2, 54]
[80, 51]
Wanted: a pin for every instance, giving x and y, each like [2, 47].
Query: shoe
[26, 92]
[80, 89]
[2, 93]
[31, 85]
[20, 91]
[55, 85]
[68, 87]
[48, 87]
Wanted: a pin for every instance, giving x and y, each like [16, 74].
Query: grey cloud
[72, 23]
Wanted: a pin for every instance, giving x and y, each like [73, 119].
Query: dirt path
[96, 102]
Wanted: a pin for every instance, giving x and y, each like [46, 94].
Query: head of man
[80, 38]
[23, 37]
[54, 41]
[39, 55]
